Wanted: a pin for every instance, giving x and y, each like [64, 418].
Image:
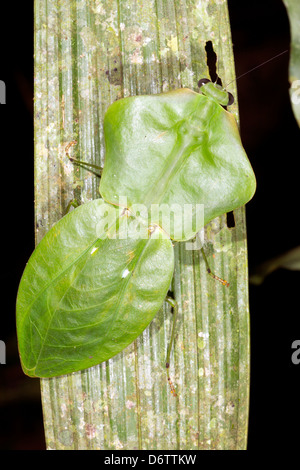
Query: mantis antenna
[254, 68]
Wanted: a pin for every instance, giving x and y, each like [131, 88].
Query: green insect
[174, 161]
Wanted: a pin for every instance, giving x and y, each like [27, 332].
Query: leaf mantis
[174, 161]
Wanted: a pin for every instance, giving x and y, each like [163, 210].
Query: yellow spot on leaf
[172, 44]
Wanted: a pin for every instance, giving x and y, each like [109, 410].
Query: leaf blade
[99, 300]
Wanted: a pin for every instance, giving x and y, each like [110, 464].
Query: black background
[260, 30]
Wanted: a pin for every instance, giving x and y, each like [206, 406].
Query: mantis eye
[203, 81]
[230, 99]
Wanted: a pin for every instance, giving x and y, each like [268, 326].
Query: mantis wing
[90, 288]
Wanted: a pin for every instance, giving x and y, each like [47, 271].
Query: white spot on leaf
[125, 273]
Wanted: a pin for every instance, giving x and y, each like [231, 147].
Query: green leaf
[289, 260]
[90, 288]
[91, 54]
[293, 10]
[175, 153]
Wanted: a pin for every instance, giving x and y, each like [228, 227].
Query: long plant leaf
[88, 55]
[293, 10]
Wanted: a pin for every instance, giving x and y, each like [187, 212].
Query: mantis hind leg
[174, 305]
[214, 276]
[171, 301]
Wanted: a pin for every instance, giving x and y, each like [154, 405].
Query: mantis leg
[214, 276]
[174, 305]
[73, 203]
[86, 165]
[198, 244]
